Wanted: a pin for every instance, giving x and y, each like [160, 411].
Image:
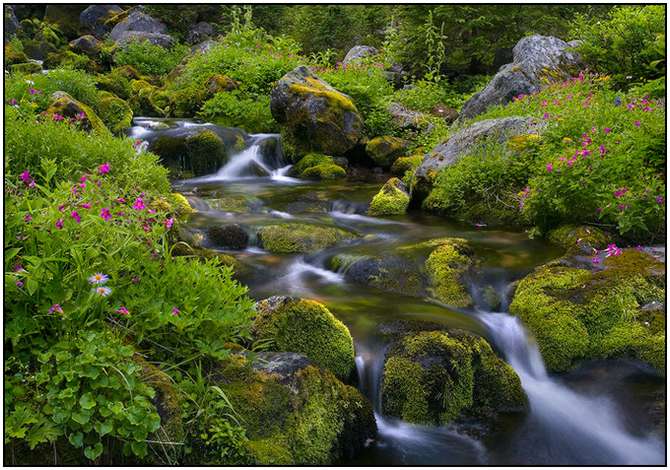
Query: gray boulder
[93, 18]
[534, 57]
[458, 145]
[157, 39]
[86, 44]
[138, 21]
[405, 118]
[200, 32]
[315, 117]
[359, 52]
[10, 22]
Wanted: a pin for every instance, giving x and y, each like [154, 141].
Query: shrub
[149, 58]
[235, 109]
[629, 44]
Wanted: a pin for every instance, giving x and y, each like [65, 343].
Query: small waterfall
[574, 424]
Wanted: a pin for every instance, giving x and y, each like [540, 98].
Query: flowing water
[597, 414]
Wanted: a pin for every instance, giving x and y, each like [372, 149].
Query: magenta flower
[104, 168]
[82, 185]
[620, 192]
[622, 207]
[86, 205]
[151, 211]
[607, 130]
[120, 200]
[595, 260]
[660, 200]
[138, 205]
[169, 222]
[28, 218]
[175, 311]
[545, 116]
[637, 123]
[550, 167]
[59, 224]
[80, 116]
[13, 102]
[613, 250]
[602, 149]
[585, 152]
[56, 308]
[27, 178]
[105, 214]
[57, 117]
[135, 280]
[33, 91]
[19, 268]
[122, 311]
[75, 216]
[19, 283]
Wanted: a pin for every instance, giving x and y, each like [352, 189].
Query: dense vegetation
[104, 315]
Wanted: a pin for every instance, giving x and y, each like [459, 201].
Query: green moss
[70, 108]
[206, 152]
[13, 55]
[141, 98]
[578, 314]
[270, 451]
[386, 149]
[317, 88]
[68, 59]
[307, 327]
[392, 199]
[404, 164]
[436, 377]
[318, 166]
[446, 266]
[114, 112]
[26, 68]
[300, 238]
[579, 239]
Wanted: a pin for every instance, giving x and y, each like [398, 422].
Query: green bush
[235, 109]
[629, 44]
[149, 58]
[38, 88]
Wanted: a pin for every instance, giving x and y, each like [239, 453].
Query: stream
[595, 415]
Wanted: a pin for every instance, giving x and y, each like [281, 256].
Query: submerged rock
[534, 58]
[392, 199]
[314, 116]
[318, 166]
[231, 236]
[306, 327]
[458, 145]
[295, 413]
[577, 314]
[300, 238]
[438, 377]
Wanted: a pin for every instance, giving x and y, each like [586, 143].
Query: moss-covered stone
[437, 377]
[180, 205]
[13, 55]
[26, 68]
[392, 199]
[206, 152]
[446, 266]
[220, 83]
[578, 314]
[65, 17]
[184, 249]
[231, 236]
[115, 112]
[306, 327]
[69, 108]
[579, 239]
[404, 164]
[70, 60]
[386, 149]
[300, 238]
[141, 98]
[295, 413]
[318, 166]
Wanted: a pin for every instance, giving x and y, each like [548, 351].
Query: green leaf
[76, 439]
[81, 417]
[87, 401]
[11, 253]
[139, 448]
[94, 452]
[104, 428]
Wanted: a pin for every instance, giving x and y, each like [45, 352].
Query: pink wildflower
[57, 117]
[56, 308]
[660, 200]
[169, 222]
[122, 311]
[104, 168]
[602, 149]
[607, 130]
[105, 214]
[595, 260]
[19, 283]
[620, 192]
[86, 205]
[138, 205]
[637, 123]
[550, 167]
[613, 250]
[27, 218]
[59, 224]
[75, 216]
[175, 311]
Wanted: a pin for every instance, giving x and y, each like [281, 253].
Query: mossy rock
[386, 149]
[446, 267]
[70, 60]
[220, 83]
[66, 106]
[404, 164]
[141, 98]
[65, 17]
[314, 116]
[26, 68]
[577, 314]
[184, 249]
[392, 199]
[295, 413]
[116, 82]
[306, 327]
[300, 238]
[115, 112]
[13, 55]
[579, 239]
[318, 166]
[199, 152]
[438, 377]
[230, 236]
[180, 205]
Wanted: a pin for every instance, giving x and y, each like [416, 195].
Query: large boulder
[292, 412]
[94, 19]
[384, 150]
[579, 313]
[357, 53]
[65, 17]
[458, 145]
[439, 377]
[157, 39]
[200, 32]
[392, 199]
[86, 44]
[10, 23]
[140, 22]
[534, 58]
[314, 116]
[306, 327]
